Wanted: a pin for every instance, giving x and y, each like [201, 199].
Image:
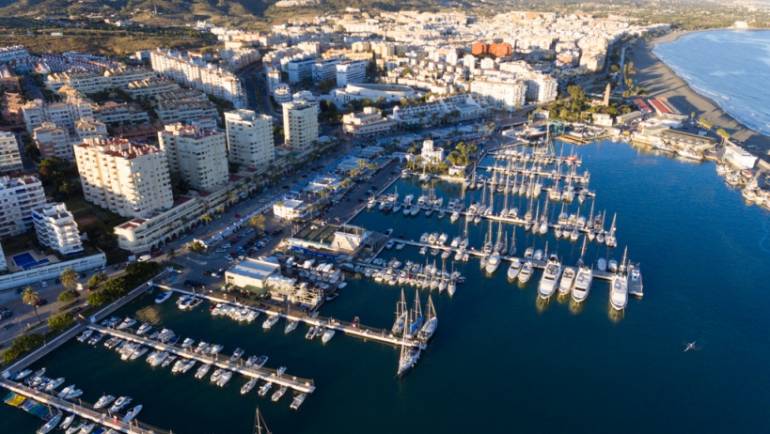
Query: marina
[489, 318]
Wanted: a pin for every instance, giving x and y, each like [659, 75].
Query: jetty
[84, 412]
[303, 385]
[349, 328]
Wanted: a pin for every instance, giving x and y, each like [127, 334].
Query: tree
[96, 280]
[67, 296]
[30, 297]
[60, 322]
[258, 222]
[69, 279]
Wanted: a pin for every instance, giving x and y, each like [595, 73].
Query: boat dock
[537, 158]
[354, 329]
[299, 384]
[547, 174]
[540, 264]
[88, 413]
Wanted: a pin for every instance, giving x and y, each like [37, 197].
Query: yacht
[526, 272]
[567, 280]
[54, 384]
[120, 404]
[202, 371]
[582, 283]
[619, 291]
[493, 261]
[67, 422]
[514, 269]
[248, 386]
[270, 322]
[297, 401]
[52, 423]
[163, 296]
[224, 378]
[327, 335]
[104, 401]
[290, 326]
[278, 394]
[144, 328]
[70, 392]
[131, 414]
[23, 374]
[128, 322]
[85, 428]
[550, 277]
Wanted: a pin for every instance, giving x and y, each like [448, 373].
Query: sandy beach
[661, 81]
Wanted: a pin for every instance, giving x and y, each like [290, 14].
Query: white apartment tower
[196, 154]
[250, 138]
[129, 179]
[19, 197]
[56, 229]
[10, 156]
[300, 125]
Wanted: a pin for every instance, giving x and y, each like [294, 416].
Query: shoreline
[662, 81]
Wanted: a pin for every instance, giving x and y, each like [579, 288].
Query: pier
[299, 384]
[546, 174]
[103, 419]
[569, 160]
[353, 329]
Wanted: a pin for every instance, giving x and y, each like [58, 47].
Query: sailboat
[260, 427]
[417, 317]
[619, 286]
[409, 355]
[401, 315]
[583, 279]
[429, 327]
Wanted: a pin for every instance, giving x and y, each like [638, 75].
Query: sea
[500, 361]
[731, 67]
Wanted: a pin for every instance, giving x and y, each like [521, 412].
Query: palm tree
[30, 297]
[69, 279]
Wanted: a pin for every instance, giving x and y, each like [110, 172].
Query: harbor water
[500, 361]
[729, 66]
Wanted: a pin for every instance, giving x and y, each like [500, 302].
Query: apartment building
[250, 138]
[129, 179]
[63, 114]
[196, 154]
[351, 72]
[10, 156]
[56, 229]
[53, 141]
[300, 125]
[504, 94]
[19, 197]
[369, 122]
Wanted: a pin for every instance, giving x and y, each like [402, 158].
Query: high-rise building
[129, 179]
[506, 94]
[10, 156]
[250, 138]
[196, 154]
[53, 141]
[300, 124]
[56, 229]
[19, 196]
[351, 72]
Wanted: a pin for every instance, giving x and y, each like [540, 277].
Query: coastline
[661, 81]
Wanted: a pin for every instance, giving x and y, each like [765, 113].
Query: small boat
[70, 392]
[163, 296]
[270, 322]
[567, 280]
[278, 394]
[144, 328]
[86, 428]
[265, 389]
[237, 354]
[290, 326]
[85, 335]
[127, 322]
[514, 269]
[104, 401]
[601, 264]
[52, 423]
[54, 384]
[202, 371]
[67, 422]
[224, 378]
[23, 374]
[120, 404]
[297, 401]
[327, 335]
[246, 388]
[526, 272]
[131, 414]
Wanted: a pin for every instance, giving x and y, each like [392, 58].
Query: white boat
[131, 414]
[297, 401]
[119, 404]
[86, 428]
[67, 422]
[52, 385]
[526, 272]
[52, 423]
[550, 277]
[202, 371]
[163, 296]
[70, 392]
[582, 284]
[270, 322]
[224, 378]
[23, 374]
[514, 269]
[246, 388]
[144, 328]
[327, 335]
[128, 322]
[567, 280]
[265, 389]
[278, 394]
[290, 326]
[104, 401]
[493, 261]
[601, 264]
[619, 291]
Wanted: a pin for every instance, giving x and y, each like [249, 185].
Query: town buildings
[197, 155]
[300, 125]
[250, 139]
[20, 196]
[56, 229]
[10, 155]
